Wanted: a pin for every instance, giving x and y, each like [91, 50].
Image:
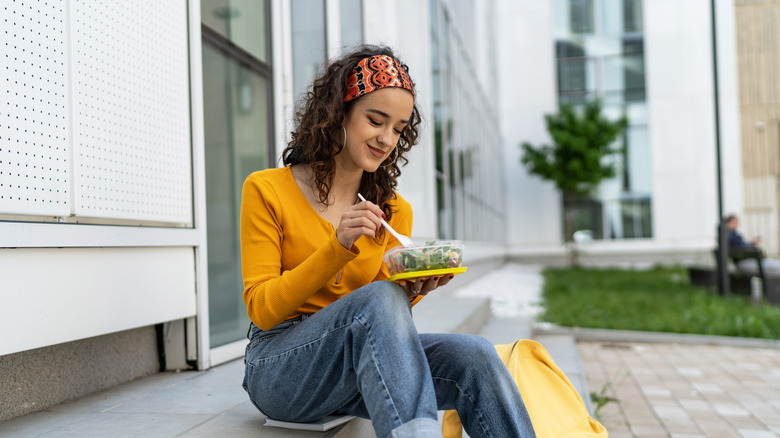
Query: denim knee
[479, 346]
[471, 355]
[383, 299]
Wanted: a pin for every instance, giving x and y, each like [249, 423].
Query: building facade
[652, 60]
[758, 58]
[126, 131]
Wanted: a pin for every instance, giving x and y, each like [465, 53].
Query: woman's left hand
[423, 285]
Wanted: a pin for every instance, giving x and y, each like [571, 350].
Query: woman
[328, 336]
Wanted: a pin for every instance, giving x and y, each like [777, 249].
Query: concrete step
[449, 314]
[212, 403]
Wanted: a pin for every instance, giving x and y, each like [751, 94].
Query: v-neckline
[302, 198]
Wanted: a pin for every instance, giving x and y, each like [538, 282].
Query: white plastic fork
[405, 241]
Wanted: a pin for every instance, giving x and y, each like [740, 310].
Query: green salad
[425, 258]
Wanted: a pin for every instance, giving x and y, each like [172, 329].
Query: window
[467, 147]
[308, 43]
[581, 16]
[238, 139]
[351, 18]
[608, 64]
[242, 22]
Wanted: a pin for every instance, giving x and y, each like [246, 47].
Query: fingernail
[451, 277]
[383, 216]
[436, 278]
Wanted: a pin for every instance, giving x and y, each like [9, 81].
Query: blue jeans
[362, 355]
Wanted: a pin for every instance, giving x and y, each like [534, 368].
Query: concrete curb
[589, 334]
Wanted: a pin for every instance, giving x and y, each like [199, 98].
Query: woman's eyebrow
[385, 115]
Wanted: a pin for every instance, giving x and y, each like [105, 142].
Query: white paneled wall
[95, 128]
[95, 112]
[34, 130]
[131, 110]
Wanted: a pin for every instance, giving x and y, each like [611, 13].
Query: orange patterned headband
[377, 72]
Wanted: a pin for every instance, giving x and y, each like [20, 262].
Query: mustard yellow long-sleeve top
[291, 260]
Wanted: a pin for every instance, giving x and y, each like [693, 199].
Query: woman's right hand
[361, 219]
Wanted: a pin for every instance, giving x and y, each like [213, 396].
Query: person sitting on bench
[745, 254]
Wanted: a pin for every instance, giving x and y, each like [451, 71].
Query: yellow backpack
[555, 407]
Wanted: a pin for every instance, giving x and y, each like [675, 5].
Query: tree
[574, 162]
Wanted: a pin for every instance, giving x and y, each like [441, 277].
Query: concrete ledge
[589, 334]
[35, 380]
[447, 314]
[608, 253]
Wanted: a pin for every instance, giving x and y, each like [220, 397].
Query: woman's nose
[387, 137]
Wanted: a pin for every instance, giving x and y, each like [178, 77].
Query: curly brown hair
[317, 138]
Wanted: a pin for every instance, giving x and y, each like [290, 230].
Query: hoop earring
[397, 154]
[341, 146]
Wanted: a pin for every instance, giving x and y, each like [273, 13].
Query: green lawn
[659, 299]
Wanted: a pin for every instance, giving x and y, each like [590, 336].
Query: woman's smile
[379, 153]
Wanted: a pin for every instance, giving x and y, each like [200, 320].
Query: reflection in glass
[634, 68]
[581, 16]
[632, 17]
[351, 17]
[468, 184]
[576, 79]
[582, 214]
[237, 137]
[241, 21]
[308, 42]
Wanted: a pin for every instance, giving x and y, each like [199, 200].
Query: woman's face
[374, 125]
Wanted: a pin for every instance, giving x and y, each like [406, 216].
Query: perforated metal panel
[34, 154]
[131, 132]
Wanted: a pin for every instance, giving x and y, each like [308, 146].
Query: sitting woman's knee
[475, 349]
[383, 295]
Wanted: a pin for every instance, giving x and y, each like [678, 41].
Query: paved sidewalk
[681, 390]
[665, 385]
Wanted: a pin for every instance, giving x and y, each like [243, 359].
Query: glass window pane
[611, 17]
[237, 136]
[621, 16]
[638, 155]
[569, 49]
[635, 216]
[581, 16]
[561, 18]
[614, 78]
[441, 208]
[308, 42]
[351, 16]
[241, 21]
[634, 69]
[583, 214]
[576, 79]
[632, 18]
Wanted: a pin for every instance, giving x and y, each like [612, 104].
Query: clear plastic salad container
[433, 255]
